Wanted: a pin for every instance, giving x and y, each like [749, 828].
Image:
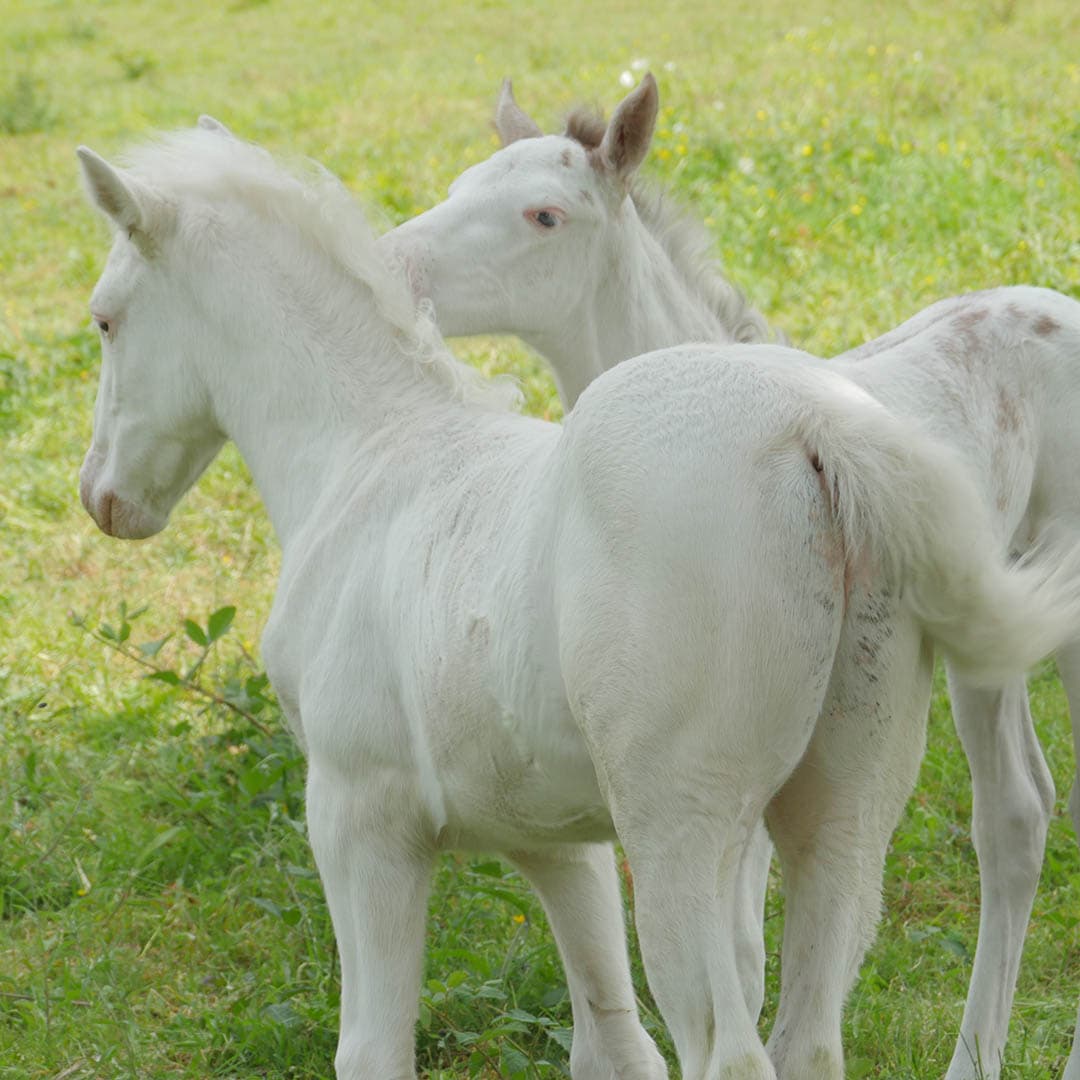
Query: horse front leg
[376, 873]
[578, 886]
[1013, 797]
[749, 921]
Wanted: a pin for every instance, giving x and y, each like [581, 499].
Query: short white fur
[995, 375]
[492, 632]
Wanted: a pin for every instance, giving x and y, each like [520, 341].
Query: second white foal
[548, 239]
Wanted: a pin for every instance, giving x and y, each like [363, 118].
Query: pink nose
[113, 515]
[105, 511]
[125, 520]
[102, 508]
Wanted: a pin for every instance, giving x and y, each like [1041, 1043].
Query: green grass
[159, 915]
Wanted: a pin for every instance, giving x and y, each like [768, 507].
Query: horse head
[153, 432]
[529, 222]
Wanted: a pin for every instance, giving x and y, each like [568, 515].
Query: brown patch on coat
[1008, 413]
[1045, 326]
[966, 344]
[566, 159]
[968, 320]
[959, 351]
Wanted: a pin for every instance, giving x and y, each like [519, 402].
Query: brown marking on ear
[627, 139]
[1045, 326]
[511, 121]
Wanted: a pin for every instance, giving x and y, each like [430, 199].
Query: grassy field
[159, 912]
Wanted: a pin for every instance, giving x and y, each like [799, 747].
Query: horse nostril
[105, 513]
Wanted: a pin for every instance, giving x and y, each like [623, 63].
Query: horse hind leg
[578, 886]
[685, 864]
[831, 824]
[1068, 660]
[1013, 798]
[686, 801]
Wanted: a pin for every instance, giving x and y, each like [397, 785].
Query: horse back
[996, 375]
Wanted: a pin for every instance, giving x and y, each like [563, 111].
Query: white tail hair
[910, 512]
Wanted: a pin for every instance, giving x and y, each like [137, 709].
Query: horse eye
[102, 325]
[547, 219]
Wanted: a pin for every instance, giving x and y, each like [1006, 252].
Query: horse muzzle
[113, 515]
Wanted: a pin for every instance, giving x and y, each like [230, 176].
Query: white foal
[492, 632]
[547, 240]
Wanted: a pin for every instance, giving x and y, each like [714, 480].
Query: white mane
[210, 165]
[688, 246]
[686, 243]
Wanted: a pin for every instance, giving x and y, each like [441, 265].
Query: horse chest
[434, 659]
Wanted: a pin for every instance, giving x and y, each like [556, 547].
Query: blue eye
[547, 219]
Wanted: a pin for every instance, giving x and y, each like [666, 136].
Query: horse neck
[639, 301]
[300, 402]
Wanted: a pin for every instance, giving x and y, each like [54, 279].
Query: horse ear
[511, 121]
[208, 123]
[120, 198]
[627, 139]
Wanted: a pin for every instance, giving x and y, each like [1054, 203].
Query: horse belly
[516, 779]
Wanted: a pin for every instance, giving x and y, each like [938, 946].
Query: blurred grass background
[159, 916]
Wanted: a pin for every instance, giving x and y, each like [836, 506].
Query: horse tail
[910, 514]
